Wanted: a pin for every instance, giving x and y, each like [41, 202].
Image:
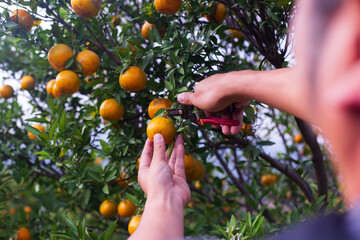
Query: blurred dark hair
[323, 11]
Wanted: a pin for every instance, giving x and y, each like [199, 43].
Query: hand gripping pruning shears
[186, 113]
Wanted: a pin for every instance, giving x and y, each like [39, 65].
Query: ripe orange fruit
[246, 129]
[145, 30]
[138, 163]
[168, 7]
[23, 234]
[89, 62]
[269, 179]
[38, 127]
[22, 18]
[163, 126]
[189, 163]
[6, 91]
[111, 110]
[131, 46]
[298, 138]
[27, 209]
[218, 15]
[134, 223]
[123, 175]
[56, 92]
[235, 33]
[126, 208]
[133, 79]
[12, 211]
[158, 103]
[288, 195]
[50, 86]
[115, 21]
[27, 82]
[197, 173]
[67, 82]
[58, 55]
[86, 8]
[108, 208]
[198, 185]
[98, 161]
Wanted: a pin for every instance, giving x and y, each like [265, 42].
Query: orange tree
[70, 147]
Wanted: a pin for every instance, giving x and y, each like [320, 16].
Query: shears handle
[218, 121]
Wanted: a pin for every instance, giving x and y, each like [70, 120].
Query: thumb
[186, 98]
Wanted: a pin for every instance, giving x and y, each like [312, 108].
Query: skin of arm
[163, 181]
[279, 88]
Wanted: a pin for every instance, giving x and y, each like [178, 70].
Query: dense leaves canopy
[74, 165]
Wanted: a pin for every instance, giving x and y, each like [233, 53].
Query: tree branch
[317, 159]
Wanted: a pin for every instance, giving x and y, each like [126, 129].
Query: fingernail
[158, 138]
[181, 97]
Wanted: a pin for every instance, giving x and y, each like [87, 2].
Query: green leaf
[70, 62]
[168, 85]
[94, 175]
[60, 235]
[295, 216]
[109, 231]
[160, 112]
[232, 221]
[248, 219]
[42, 153]
[33, 130]
[39, 120]
[266, 143]
[71, 225]
[250, 113]
[66, 178]
[147, 59]
[62, 121]
[105, 146]
[105, 189]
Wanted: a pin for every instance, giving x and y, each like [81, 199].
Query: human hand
[163, 178]
[215, 94]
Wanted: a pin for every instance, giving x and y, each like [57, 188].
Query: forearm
[283, 89]
[162, 219]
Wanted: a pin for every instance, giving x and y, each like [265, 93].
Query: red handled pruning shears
[186, 113]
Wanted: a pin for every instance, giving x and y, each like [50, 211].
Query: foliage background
[57, 175]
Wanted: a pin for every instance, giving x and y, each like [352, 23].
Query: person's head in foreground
[328, 69]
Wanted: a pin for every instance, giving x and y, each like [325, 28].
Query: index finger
[146, 155]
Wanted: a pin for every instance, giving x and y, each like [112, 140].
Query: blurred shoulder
[329, 227]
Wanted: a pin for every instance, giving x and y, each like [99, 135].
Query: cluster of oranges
[133, 79]
[68, 81]
[22, 233]
[27, 83]
[124, 209]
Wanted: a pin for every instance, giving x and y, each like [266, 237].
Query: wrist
[239, 85]
[165, 203]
